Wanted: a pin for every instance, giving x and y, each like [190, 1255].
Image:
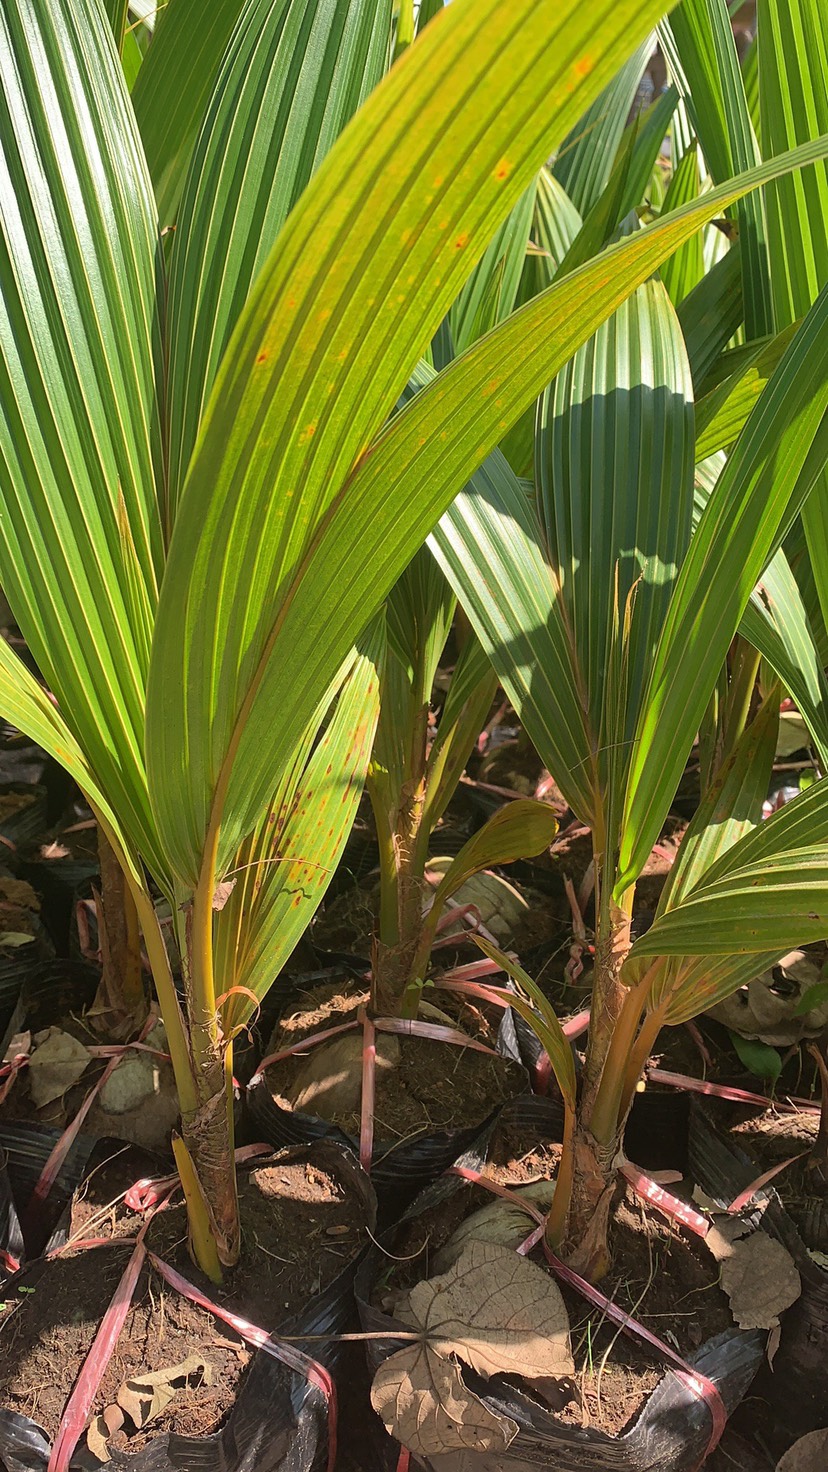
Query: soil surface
[662, 1277]
[301, 1226]
[520, 1153]
[433, 1086]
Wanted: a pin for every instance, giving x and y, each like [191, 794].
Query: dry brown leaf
[144, 1397]
[56, 1064]
[424, 1403]
[498, 1312]
[100, 1430]
[761, 1280]
[724, 1231]
[222, 893]
[808, 1454]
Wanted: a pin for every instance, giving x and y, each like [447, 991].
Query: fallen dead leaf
[144, 1397]
[55, 1065]
[724, 1231]
[425, 1404]
[101, 1429]
[761, 1280]
[808, 1454]
[500, 1313]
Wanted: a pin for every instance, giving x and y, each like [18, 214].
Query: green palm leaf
[793, 91]
[585, 158]
[173, 89]
[767, 478]
[80, 538]
[298, 70]
[769, 891]
[282, 872]
[325, 343]
[701, 52]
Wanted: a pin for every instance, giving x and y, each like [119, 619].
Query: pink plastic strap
[575, 1027]
[465, 973]
[404, 1460]
[310, 1042]
[791, 1105]
[745, 1197]
[9, 1263]
[146, 1192]
[663, 1201]
[369, 1081]
[302, 1364]
[77, 1408]
[9, 1072]
[408, 1027]
[460, 912]
[467, 1174]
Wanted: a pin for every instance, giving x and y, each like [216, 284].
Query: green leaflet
[465, 708]
[490, 292]
[80, 538]
[293, 75]
[793, 92]
[325, 344]
[768, 475]
[28, 707]
[615, 484]
[535, 1009]
[555, 224]
[768, 892]
[628, 183]
[701, 53]
[731, 807]
[174, 86]
[585, 158]
[518, 830]
[685, 269]
[283, 871]
[776, 623]
[711, 313]
[723, 412]
[490, 546]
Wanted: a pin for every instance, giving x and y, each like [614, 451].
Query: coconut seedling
[205, 499]
[609, 614]
[416, 767]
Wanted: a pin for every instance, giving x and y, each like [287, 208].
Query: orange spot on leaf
[503, 169]
[583, 67]
[461, 241]
[262, 358]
